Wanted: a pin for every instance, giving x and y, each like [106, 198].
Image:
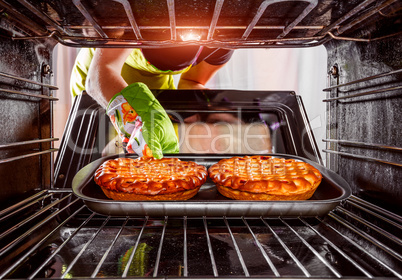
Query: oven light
[190, 36]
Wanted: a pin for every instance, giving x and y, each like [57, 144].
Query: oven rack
[16, 86]
[373, 152]
[75, 35]
[356, 240]
[362, 90]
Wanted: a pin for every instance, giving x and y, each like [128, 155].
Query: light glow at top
[190, 36]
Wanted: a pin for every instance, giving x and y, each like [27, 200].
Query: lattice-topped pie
[150, 179]
[265, 178]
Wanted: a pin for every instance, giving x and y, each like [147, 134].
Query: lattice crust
[149, 176]
[265, 178]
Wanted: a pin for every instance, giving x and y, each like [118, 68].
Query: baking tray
[209, 202]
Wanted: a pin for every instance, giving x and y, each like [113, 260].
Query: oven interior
[46, 231]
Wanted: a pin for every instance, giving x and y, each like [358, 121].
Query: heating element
[356, 240]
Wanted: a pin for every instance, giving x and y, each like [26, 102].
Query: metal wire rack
[16, 86]
[290, 33]
[347, 93]
[29, 94]
[356, 240]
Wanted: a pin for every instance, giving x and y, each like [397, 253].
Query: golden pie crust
[265, 178]
[147, 178]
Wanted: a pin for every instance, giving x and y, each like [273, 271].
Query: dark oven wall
[364, 115]
[25, 114]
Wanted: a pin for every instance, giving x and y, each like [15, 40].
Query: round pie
[265, 178]
[147, 178]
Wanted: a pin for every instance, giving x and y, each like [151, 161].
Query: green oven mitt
[142, 123]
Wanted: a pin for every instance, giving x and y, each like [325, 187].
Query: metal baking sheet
[209, 202]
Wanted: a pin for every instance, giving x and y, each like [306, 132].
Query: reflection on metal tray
[208, 202]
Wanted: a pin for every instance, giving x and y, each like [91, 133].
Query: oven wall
[373, 165]
[25, 115]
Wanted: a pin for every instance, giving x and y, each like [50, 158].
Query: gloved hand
[141, 122]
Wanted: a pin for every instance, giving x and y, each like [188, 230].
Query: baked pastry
[265, 178]
[150, 179]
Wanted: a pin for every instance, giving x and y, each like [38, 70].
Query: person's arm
[104, 78]
[197, 76]
[136, 114]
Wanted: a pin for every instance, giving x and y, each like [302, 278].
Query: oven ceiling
[223, 23]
